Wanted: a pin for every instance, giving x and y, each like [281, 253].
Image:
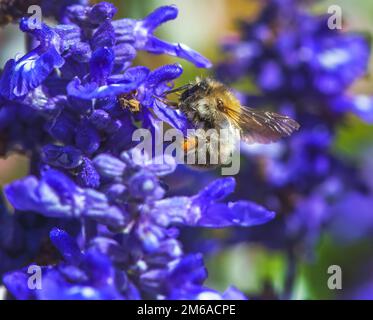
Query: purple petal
[60, 156]
[164, 74]
[102, 12]
[151, 237]
[110, 248]
[239, 214]
[72, 273]
[98, 208]
[100, 267]
[157, 46]
[175, 210]
[87, 138]
[144, 184]
[56, 286]
[55, 195]
[217, 190]
[88, 176]
[135, 74]
[62, 128]
[174, 118]
[159, 16]
[16, 283]
[185, 52]
[190, 269]
[93, 91]
[66, 245]
[100, 119]
[162, 165]
[21, 194]
[27, 73]
[101, 64]
[124, 52]
[104, 36]
[109, 166]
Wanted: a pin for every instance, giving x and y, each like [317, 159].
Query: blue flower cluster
[303, 68]
[100, 225]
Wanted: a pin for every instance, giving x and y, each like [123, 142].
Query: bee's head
[196, 91]
[211, 100]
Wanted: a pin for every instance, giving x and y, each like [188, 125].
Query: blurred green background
[202, 24]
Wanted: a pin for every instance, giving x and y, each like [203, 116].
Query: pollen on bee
[189, 144]
[127, 101]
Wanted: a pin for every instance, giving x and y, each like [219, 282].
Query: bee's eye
[220, 104]
[203, 85]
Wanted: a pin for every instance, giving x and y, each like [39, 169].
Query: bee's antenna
[182, 88]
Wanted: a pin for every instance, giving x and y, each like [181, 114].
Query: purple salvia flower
[117, 228]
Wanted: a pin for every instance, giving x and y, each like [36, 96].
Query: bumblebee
[209, 104]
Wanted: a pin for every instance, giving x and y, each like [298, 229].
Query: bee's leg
[134, 105]
[126, 103]
[172, 104]
[189, 144]
[192, 156]
[123, 101]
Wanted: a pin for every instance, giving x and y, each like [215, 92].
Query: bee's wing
[264, 126]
